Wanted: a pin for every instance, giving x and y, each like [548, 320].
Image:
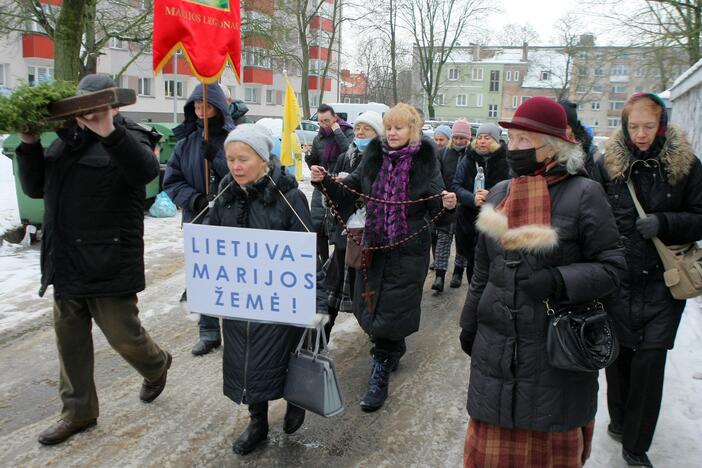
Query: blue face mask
[361, 143]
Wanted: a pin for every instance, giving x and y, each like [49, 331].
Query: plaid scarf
[388, 223]
[528, 200]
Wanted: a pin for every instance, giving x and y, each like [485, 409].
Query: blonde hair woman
[400, 167]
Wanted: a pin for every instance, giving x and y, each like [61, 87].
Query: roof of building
[686, 80]
[546, 60]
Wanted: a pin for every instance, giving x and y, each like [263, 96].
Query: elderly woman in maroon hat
[546, 234]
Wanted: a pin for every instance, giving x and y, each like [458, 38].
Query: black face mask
[523, 162]
[215, 124]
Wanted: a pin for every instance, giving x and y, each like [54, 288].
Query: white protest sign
[251, 274]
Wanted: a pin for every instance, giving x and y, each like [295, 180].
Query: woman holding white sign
[256, 354]
[400, 181]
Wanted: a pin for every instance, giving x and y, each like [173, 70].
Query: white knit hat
[256, 136]
[371, 118]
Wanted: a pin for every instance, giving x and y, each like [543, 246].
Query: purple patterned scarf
[388, 223]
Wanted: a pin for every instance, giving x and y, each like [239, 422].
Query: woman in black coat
[256, 354]
[387, 302]
[667, 178]
[487, 152]
[546, 234]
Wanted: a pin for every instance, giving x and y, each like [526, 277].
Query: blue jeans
[209, 328]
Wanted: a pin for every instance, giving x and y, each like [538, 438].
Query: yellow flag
[291, 120]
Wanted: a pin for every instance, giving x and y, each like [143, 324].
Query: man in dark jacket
[92, 180]
[185, 175]
[333, 139]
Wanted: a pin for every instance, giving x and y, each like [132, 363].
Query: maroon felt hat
[540, 115]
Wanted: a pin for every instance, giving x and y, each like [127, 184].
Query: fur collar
[531, 239]
[422, 165]
[284, 181]
[676, 156]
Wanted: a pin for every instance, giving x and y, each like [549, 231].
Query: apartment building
[28, 57]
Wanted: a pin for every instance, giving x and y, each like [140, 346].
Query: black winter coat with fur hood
[396, 276]
[512, 383]
[668, 185]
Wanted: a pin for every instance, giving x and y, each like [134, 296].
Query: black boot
[636, 459]
[256, 432]
[294, 417]
[439, 281]
[377, 384]
[456, 277]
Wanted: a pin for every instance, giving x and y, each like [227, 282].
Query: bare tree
[80, 29]
[436, 26]
[513, 34]
[374, 57]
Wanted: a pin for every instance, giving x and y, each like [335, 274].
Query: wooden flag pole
[206, 135]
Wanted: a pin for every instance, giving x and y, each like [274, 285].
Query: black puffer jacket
[511, 382]
[93, 190]
[256, 354]
[347, 162]
[396, 276]
[668, 185]
[448, 164]
[496, 170]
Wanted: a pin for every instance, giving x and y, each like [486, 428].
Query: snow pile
[9, 213]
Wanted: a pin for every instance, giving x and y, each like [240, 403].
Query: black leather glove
[545, 283]
[200, 203]
[209, 150]
[648, 227]
[466, 342]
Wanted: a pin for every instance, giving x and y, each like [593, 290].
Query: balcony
[313, 82]
[320, 53]
[258, 75]
[35, 45]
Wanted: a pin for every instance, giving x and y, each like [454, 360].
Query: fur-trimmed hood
[423, 162]
[676, 156]
[532, 238]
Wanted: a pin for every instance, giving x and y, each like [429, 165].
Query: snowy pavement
[180, 431]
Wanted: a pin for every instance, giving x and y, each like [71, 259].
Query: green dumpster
[31, 210]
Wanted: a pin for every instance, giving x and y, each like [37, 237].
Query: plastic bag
[354, 231]
[163, 207]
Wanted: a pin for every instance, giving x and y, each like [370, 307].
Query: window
[144, 87]
[492, 111]
[613, 123]
[641, 71]
[581, 106]
[477, 74]
[494, 80]
[597, 88]
[168, 88]
[595, 105]
[516, 75]
[258, 58]
[37, 75]
[314, 100]
[3, 73]
[117, 43]
[620, 69]
[515, 102]
[479, 100]
[461, 100]
[269, 97]
[439, 100]
[453, 74]
[251, 94]
[599, 71]
[582, 70]
[525, 99]
[616, 105]
[508, 75]
[595, 123]
[619, 89]
[545, 75]
[347, 100]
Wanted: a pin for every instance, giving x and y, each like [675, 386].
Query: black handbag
[581, 338]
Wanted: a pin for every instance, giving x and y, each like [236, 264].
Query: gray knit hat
[257, 137]
[490, 129]
[373, 119]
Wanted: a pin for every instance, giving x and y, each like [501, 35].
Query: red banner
[207, 31]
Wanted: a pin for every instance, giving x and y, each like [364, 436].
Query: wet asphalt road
[193, 424]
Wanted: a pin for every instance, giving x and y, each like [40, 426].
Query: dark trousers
[118, 319]
[634, 393]
[384, 348]
[209, 328]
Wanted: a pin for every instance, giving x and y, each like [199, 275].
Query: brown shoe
[62, 430]
[151, 390]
